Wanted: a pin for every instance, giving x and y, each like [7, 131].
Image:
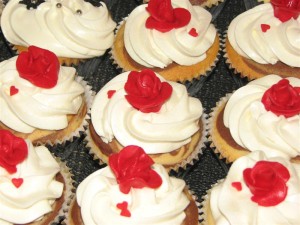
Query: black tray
[209, 90]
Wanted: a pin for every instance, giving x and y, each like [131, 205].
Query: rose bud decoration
[146, 92]
[284, 10]
[132, 168]
[38, 66]
[282, 99]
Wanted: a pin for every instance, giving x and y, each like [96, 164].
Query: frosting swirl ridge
[258, 35]
[69, 28]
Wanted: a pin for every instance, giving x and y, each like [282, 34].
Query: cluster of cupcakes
[143, 122]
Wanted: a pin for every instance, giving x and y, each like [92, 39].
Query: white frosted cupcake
[262, 115]
[180, 47]
[132, 190]
[41, 100]
[142, 108]
[74, 29]
[35, 187]
[257, 190]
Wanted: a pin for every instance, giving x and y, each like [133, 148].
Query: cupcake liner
[203, 68]
[68, 190]
[88, 99]
[205, 214]
[190, 160]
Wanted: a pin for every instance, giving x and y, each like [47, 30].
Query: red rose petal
[193, 32]
[237, 185]
[17, 182]
[265, 27]
[13, 90]
[110, 93]
[124, 209]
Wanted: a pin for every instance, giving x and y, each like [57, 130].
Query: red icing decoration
[163, 17]
[13, 150]
[267, 182]
[193, 32]
[146, 92]
[124, 209]
[282, 99]
[132, 168]
[110, 93]
[284, 10]
[265, 27]
[237, 185]
[13, 90]
[17, 182]
[38, 66]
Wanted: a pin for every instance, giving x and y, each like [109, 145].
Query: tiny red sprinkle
[237, 185]
[13, 90]
[110, 93]
[17, 182]
[193, 32]
[124, 210]
[265, 27]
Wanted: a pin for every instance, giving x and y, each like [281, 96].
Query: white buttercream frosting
[60, 29]
[100, 192]
[34, 198]
[34, 107]
[161, 132]
[232, 207]
[279, 43]
[152, 48]
[255, 128]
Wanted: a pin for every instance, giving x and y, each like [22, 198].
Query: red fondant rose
[146, 92]
[284, 10]
[132, 168]
[13, 150]
[164, 18]
[282, 99]
[38, 66]
[267, 182]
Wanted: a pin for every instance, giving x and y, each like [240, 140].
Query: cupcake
[132, 190]
[41, 100]
[263, 115]
[74, 30]
[35, 187]
[264, 40]
[203, 3]
[257, 190]
[142, 108]
[180, 48]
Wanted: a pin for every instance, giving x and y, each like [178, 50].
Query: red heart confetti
[237, 185]
[193, 32]
[17, 182]
[124, 210]
[13, 90]
[110, 93]
[265, 27]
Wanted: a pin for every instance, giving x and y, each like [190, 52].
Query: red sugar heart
[17, 182]
[265, 27]
[13, 90]
[237, 185]
[193, 32]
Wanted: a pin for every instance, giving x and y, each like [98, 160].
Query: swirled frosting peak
[69, 28]
[29, 103]
[258, 190]
[26, 194]
[158, 33]
[264, 115]
[165, 130]
[259, 35]
[153, 198]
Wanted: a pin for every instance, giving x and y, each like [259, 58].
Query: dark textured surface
[209, 89]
